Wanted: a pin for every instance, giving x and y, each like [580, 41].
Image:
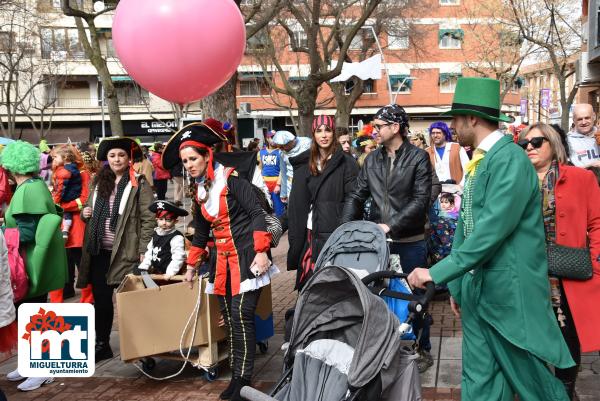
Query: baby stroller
[345, 342]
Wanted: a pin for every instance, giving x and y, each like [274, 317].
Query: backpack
[19, 280]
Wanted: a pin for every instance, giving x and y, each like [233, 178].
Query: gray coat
[134, 230]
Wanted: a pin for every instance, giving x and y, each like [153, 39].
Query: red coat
[77, 230]
[577, 197]
[159, 172]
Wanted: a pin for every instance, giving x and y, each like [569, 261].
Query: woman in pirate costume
[227, 205]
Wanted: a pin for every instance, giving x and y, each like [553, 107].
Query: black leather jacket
[401, 197]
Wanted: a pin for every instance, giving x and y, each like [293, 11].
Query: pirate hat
[162, 207]
[478, 97]
[118, 142]
[195, 134]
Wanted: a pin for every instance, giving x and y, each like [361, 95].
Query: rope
[186, 358]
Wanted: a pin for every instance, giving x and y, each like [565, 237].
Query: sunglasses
[536, 142]
[378, 127]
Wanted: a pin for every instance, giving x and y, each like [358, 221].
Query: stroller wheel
[263, 347]
[211, 374]
[148, 364]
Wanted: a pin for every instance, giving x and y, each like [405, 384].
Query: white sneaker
[14, 376]
[285, 346]
[33, 383]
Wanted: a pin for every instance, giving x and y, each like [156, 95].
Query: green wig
[21, 158]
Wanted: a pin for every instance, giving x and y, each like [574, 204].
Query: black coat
[401, 197]
[326, 192]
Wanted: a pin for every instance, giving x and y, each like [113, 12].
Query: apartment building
[423, 83]
[540, 92]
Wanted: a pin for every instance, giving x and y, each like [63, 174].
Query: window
[451, 38]
[369, 87]
[449, 2]
[129, 93]
[398, 40]
[300, 39]
[363, 38]
[8, 91]
[7, 42]
[401, 83]
[254, 84]
[61, 43]
[516, 84]
[257, 42]
[54, 5]
[448, 82]
[510, 39]
[295, 82]
[106, 43]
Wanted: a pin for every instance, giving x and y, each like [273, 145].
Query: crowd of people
[479, 210]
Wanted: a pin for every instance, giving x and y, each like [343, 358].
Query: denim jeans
[412, 255]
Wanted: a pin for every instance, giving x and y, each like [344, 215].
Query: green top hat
[478, 97]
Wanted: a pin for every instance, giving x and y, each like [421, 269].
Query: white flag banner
[367, 69]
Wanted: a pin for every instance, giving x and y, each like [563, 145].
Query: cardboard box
[151, 320]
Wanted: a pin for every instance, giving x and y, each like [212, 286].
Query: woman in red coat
[571, 215]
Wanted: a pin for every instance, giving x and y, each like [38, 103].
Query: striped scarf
[102, 212]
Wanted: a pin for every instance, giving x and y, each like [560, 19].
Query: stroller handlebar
[418, 302]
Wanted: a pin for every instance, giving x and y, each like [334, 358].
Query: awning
[249, 75]
[458, 34]
[121, 78]
[396, 80]
[104, 30]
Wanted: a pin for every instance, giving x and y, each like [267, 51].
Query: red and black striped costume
[233, 213]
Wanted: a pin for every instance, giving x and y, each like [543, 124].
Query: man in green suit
[497, 271]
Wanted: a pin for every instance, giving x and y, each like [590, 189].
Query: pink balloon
[180, 50]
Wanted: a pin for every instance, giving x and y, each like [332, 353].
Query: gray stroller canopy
[356, 245]
[335, 305]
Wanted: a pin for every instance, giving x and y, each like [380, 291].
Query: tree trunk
[222, 106]
[564, 116]
[342, 117]
[306, 109]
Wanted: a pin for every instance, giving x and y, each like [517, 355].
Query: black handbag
[570, 263]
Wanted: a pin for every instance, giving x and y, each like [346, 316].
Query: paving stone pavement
[115, 380]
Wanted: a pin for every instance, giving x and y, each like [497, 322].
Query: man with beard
[497, 270]
[397, 176]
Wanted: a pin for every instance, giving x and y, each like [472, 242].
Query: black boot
[103, 351]
[228, 392]
[236, 391]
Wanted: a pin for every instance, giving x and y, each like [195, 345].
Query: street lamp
[387, 73]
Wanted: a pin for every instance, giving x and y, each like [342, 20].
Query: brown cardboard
[151, 321]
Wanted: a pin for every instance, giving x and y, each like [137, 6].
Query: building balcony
[82, 103]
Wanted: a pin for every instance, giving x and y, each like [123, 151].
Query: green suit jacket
[46, 259]
[506, 253]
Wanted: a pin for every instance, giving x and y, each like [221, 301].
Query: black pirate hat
[118, 142]
[161, 207]
[196, 134]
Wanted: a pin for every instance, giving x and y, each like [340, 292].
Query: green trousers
[494, 369]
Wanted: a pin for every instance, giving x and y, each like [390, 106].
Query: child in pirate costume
[226, 204]
[166, 250]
